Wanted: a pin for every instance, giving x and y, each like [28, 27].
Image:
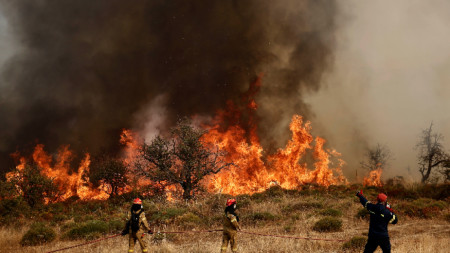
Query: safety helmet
[381, 197]
[231, 202]
[137, 201]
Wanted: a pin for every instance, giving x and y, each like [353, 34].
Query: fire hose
[201, 231]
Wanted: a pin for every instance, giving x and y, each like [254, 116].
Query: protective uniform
[143, 227]
[380, 216]
[230, 227]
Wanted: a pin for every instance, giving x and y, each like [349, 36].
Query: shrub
[363, 214]
[356, 243]
[38, 234]
[168, 214]
[447, 217]
[274, 191]
[328, 224]
[89, 230]
[116, 225]
[331, 212]
[189, 220]
[424, 208]
[300, 206]
[263, 216]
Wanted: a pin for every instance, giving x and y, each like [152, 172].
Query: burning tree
[109, 172]
[432, 157]
[376, 160]
[34, 187]
[183, 160]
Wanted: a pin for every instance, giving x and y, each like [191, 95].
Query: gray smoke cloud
[390, 79]
[83, 70]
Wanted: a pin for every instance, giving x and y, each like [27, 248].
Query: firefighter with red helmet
[230, 226]
[137, 226]
[381, 214]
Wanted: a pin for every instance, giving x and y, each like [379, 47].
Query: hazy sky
[390, 79]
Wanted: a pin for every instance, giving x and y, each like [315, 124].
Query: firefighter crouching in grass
[381, 215]
[137, 226]
[230, 226]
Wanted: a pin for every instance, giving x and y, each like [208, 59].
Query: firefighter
[230, 226]
[381, 214]
[136, 226]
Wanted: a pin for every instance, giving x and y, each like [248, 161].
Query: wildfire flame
[253, 171]
[374, 178]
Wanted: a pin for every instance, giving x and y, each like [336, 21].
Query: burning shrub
[356, 243]
[110, 173]
[331, 212]
[184, 160]
[37, 234]
[328, 224]
[34, 187]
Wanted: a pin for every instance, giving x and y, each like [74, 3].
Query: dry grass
[410, 235]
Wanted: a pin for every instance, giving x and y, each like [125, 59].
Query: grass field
[423, 224]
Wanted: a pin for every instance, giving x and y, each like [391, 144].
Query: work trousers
[137, 236]
[373, 242]
[229, 236]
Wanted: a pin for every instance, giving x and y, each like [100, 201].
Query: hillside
[424, 223]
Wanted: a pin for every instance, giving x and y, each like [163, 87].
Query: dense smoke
[83, 70]
[389, 80]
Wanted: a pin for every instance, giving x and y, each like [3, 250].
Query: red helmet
[382, 197]
[137, 201]
[231, 202]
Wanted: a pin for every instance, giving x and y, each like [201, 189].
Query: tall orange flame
[374, 178]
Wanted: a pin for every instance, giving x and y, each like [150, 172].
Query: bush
[116, 225]
[331, 212]
[89, 230]
[363, 214]
[189, 220]
[447, 217]
[328, 224]
[300, 206]
[356, 243]
[423, 208]
[11, 209]
[38, 234]
[264, 216]
[168, 214]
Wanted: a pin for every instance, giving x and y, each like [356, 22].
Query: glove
[359, 193]
[388, 207]
[150, 232]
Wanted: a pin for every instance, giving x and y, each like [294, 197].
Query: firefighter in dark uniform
[230, 227]
[381, 214]
[137, 226]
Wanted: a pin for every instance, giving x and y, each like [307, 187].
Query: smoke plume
[388, 81]
[83, 70]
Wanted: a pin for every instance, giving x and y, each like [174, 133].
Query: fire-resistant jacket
[143, 224]
[230, 223]
[380, 217]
